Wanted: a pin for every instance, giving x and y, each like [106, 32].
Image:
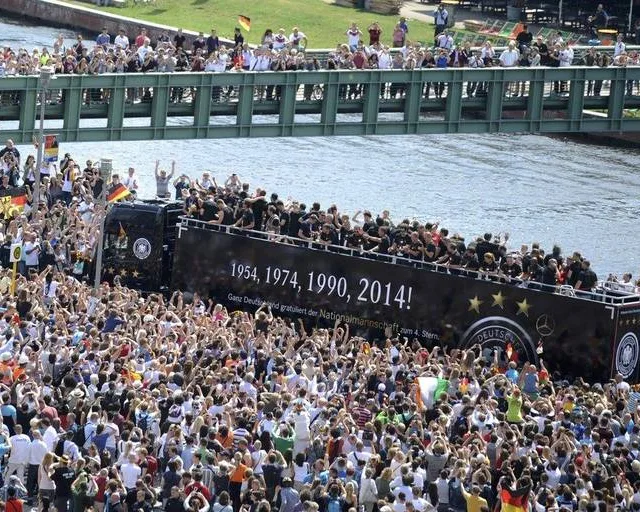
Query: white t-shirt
[130, 474]
[509, 58]
[31, 258]
[37, 451]
[19, 449]
[353, 37]
[131, 182]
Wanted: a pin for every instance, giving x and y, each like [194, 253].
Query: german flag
[515, 500]
[12, 201]
[117, 192]
[244, 22]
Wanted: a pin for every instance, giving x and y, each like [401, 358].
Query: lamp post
[44, 79]
[105, 171]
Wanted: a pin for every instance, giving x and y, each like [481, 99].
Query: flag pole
[105, 168]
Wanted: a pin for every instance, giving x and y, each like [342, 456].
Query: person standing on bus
[131, 180]
[162, 180]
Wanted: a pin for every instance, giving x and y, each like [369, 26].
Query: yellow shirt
[474, 503]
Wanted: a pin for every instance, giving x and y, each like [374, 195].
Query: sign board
[16, 253]
[50, 148]
[435, 308]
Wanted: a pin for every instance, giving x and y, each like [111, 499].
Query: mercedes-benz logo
[545, 325]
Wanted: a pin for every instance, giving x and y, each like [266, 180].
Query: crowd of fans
[279, 51]
[114, 401]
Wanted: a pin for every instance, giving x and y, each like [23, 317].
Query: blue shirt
[103, 39]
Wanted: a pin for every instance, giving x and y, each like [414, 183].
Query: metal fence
[371, 102]
[605, 292]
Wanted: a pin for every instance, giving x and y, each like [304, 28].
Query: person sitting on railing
[587, 279]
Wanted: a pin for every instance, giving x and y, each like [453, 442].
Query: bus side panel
[573, 336]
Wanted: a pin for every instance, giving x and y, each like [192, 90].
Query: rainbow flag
[117, 193]
[515, 500]
[244, 22]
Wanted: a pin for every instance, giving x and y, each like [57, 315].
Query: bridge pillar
[160, 105]
[412, 100]
[371, 105]
[245, 106]
[72, 105]
[28, 102]
[616, 98]
[115, 114]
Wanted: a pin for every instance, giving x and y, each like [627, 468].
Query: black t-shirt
[524, 37]
[294, 223]
[472, 263]
[284, 221]
[575, 268]
[272, 474]
[174, 505]
[308, 228]
[384, 245]
[588, 279]
[227, 216]
[258, 208]
[512, 270]
[248, 219]
[430, 253]
[180, 186]
[97, 187]
[210, 210]
[329, 236]
[354, 241]
[179, 40]
[63, 477]
[548, 276]
[484, 247]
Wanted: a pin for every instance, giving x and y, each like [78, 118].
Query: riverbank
[83, 19]
[324, 24]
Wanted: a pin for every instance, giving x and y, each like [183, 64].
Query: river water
[583, 197]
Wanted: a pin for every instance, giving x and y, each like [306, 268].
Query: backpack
[333, 449]
[152, 465]
[456, 498]
[334, 505]
[143, 422]
[175, 412]
[59, 449]
[78, 437]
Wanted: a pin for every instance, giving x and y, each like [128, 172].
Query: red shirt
[200, 488]
[13, 505]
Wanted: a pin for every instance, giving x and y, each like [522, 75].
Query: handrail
[600, 294]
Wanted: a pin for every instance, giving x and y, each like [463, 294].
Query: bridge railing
[370, 102]
[579, 51]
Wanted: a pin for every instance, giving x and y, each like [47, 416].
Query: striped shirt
[361, 415]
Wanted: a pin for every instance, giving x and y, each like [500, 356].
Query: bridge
[163, 106]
